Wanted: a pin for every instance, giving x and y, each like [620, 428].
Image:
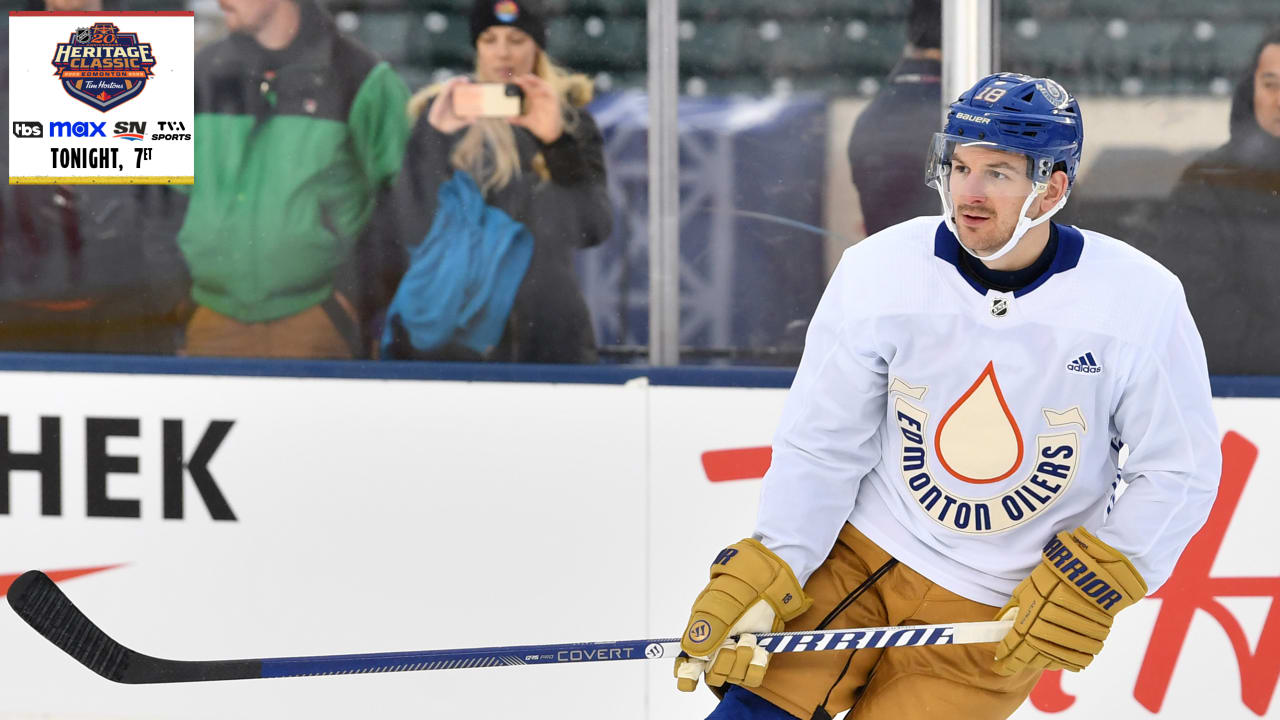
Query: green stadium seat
[620, 47]
[624, 8]
[716, 47]
[460, 7]
[870, 52]
[1103, 10]
[1058, 48]
[697, 9]
[843, 9]
[626, 81]
[742, 84]
[831, 84]
[584, 8]
[799, 47]
[1228, 53]
[1147, 49]
[450, 47]
[385, 34]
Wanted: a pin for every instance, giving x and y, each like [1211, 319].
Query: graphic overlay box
[101, 98]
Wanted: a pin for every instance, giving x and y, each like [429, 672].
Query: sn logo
[27, 129]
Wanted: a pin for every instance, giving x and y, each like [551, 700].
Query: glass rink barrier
[477, 329]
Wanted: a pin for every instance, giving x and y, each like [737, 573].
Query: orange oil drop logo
[978, 440]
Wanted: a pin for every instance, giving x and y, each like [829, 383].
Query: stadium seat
[624, 8]
[844, 9]
[385, 34]
[716, 47]
[619, 47]
[1233, 44]
[871, 51]
[449, 47]
[827, 83]
[751, 84]
[799, 47]
[461, 7]
[584, 8]
[1146, 49]
[1058, 48]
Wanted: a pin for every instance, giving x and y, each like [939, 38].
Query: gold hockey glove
[1065, 608]
[751, 591]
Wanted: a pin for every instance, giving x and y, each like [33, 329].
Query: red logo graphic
[1191, 588]
[737, 464]
[56, 575]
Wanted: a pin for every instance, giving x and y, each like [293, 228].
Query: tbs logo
[27, 129]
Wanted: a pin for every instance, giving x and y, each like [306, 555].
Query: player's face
[1266, 90]
[503, 53]
[248, 16]
[988, 189]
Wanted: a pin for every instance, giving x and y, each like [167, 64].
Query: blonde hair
[488, 150]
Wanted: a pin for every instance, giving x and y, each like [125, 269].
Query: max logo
[1191, 588]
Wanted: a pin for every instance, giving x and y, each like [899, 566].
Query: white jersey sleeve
[828, 436]
[1165, 418]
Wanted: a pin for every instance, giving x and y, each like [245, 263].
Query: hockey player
[949, 449]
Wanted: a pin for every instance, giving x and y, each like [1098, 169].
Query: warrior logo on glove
[751, 591]
[1065, 608]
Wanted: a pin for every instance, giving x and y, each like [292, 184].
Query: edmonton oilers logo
[103, 67]
[506, 11]
[700, 631]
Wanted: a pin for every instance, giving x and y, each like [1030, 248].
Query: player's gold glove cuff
[1064, 609]
[751, 590]
[742, 575]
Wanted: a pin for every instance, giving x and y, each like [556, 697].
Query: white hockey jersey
[961, 428]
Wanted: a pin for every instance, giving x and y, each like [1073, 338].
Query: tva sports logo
[103, 67]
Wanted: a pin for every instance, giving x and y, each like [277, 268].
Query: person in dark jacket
[885, 152]
[544, 168]
[1222, 231]
[298, 131]
[87, 268]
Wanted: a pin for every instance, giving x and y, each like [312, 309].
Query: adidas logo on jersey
[1084, 364]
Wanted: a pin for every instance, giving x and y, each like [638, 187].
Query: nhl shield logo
[999, 307]
[103, 67]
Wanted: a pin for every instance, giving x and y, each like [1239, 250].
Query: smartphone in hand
[495, 100]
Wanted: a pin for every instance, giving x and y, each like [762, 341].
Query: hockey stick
[40, 602]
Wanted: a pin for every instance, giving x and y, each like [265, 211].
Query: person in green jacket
[297, 131]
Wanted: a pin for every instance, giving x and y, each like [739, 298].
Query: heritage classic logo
[103, 67]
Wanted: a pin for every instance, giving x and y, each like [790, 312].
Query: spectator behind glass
[87, 268]
[885, 152]
[544, 169]
[1222, 232]
[297, 130]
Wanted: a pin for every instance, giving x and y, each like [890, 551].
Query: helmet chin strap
[1024, 223]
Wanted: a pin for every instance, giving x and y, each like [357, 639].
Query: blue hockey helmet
[1035, 117]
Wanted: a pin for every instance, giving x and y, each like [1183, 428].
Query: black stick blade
[42, 604]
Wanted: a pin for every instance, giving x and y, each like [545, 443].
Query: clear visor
[984, 169]
[965, 171]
